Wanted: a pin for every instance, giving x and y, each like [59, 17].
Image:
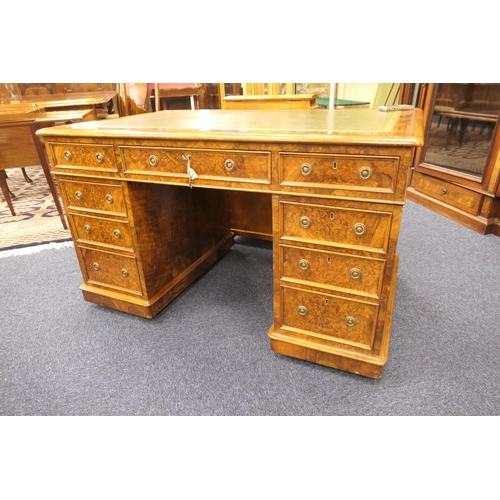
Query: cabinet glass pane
[464, 117]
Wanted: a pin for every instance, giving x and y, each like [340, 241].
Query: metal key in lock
[192, 175]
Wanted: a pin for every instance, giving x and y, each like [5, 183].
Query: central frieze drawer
[83, 156]
[107, 198]
[220, 164]
[343, 320]
[102, 231]
[111, 270]
[332, 225]
[333, 270]
[363, 173]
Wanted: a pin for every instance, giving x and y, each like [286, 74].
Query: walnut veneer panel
[329, 186]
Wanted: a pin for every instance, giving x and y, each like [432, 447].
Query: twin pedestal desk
[146, 202]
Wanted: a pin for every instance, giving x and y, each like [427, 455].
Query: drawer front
[111, 270]
[333, 270]
[102, 231]
[339, 319]
[458, 197]
[87, 196]
[336, 226]
[83, 156]
[228, 165]
[360, 173]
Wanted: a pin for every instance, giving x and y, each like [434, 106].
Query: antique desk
[144, 196]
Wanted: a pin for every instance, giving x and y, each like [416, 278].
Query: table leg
[48, 175]
[5, 191]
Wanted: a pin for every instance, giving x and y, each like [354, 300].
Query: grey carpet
[208, 352]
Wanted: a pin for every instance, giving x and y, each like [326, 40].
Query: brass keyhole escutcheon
[359, 229]
[99, 157]
[87, 229]
[305, 222]
[78, 195]
[304, 264]
[229, 165]
[302, 310]
[109, 199]
[355, 273]
[365, 173]
[306, 169]
[153, 160]
[350, 321]
[117, 233]
[96, 266]
[68, 156]
[124, 273]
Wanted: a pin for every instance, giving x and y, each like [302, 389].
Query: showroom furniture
[145, 200]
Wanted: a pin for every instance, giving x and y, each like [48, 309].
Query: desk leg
[46, 170]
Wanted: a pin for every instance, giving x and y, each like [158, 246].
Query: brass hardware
[359, 229]
[332, 215]
[229, 165]
[444, 191]
[153, 160]
[125, 273]
[334, 166]
[365, 173]
[306, 169]
[305, 222]
[355, 273]
[82, 152]
[117, 233]
[109, 199]
[329, 260]
[99, 157]
[96, 266]
[302, 310]
[78, 195]
[350, 321]
[87, 229]
[68, 155]
[304, 264]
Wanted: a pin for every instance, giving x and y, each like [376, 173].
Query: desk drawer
[333, 270]
[336, 226]
[456, 196]
[111, 270]
[228, 165]
[323, 171]
[102, 231]
[83, 156]
[336, 318]
[95, 197]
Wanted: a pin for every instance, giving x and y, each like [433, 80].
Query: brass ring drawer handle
[302, 310]
[117, 233]
[304, 264]
[124, 273]
[230, 165]
[68, 156]
[306, 169]
[350, 321]
[87, 228]
[359, 229]
[355, 273]
[305, 222]
[99, 157]
[365, 173]
[96, 266]
[109, 199]
[444, 191]
[78, 195]
[153, 160]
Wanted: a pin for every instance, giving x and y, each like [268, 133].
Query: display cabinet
[457, 172]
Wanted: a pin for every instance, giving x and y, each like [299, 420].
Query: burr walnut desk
[144, 196]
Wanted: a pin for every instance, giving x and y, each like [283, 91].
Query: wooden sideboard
[145, 199]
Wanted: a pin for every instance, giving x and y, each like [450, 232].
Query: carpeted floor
[36, 220]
